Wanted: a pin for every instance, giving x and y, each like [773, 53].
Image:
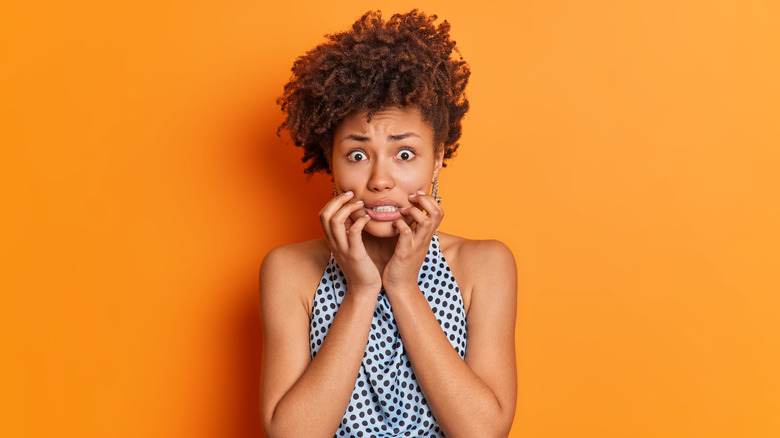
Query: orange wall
[627, 152]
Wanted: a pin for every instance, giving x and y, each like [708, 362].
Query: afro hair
[405, 61]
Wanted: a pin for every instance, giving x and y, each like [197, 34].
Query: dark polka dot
[387, 399]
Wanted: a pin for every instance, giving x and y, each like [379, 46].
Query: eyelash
[409, 150]
[351, 154]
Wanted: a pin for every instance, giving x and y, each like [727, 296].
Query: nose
[381, 177]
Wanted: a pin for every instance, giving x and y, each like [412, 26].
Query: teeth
[385, 208]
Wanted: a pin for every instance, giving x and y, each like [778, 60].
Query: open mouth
[385, 209]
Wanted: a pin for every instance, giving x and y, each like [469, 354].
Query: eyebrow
[363, 138]
[400, 137]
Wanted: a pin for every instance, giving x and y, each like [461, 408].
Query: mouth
[383, 210]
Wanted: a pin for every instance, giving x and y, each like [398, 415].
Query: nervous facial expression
[383, 162]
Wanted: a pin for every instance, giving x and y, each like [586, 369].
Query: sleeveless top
[387, 400]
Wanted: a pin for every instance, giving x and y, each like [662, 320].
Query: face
[383, 162]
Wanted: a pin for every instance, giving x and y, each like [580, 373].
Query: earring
[435, 190]
[335, 190]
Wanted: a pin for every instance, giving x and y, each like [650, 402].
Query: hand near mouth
[345, 239]
[404, 266]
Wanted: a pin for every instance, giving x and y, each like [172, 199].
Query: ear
[437, 164]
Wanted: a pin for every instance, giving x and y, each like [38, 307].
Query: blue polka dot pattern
[387, 400]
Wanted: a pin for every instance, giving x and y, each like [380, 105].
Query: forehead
[385, 122]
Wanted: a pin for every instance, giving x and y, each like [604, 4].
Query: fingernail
[348, 192]
[420, 192]
[359, 201]
[413, 195]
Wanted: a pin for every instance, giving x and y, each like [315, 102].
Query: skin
[391, 160]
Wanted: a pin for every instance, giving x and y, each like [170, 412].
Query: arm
[475, 397]
[304, 397]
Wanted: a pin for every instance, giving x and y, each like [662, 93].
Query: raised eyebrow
[363, 138]
[403, 136]
[356, 137]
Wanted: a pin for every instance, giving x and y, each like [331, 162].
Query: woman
[385, 327]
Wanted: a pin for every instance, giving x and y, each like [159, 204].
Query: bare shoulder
[477, 255]
[480, 265]
[297, 256]
[292, 272]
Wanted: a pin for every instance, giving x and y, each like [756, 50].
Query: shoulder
[292, 272]
[296, 256]
[478, 255]
[482, 268]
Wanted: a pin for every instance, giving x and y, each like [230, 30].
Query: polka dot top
[387, 400]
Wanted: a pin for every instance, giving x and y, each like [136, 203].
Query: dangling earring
[435, 190]
[335, 190]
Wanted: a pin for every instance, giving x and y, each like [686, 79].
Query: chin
[380, 229]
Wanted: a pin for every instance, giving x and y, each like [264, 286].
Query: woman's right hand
[345, 239]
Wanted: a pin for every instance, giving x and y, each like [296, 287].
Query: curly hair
[404, 62]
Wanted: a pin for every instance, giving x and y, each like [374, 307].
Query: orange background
[627, 152]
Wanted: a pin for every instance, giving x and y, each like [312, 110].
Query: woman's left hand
[413, 242]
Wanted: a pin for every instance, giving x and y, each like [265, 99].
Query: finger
[355, 232]
[335, 204]
[404, 233]
[428, 204]
[338, 223]
[348, 223]
[329, 209]
[424, 223]
[327, 212]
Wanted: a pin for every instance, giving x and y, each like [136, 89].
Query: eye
[356, 156]
[405, 154]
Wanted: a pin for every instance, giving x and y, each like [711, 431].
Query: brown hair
[405, 61]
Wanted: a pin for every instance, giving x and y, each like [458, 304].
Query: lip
[383, 215]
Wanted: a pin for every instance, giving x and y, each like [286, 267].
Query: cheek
[410, 182]
[346, 181]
